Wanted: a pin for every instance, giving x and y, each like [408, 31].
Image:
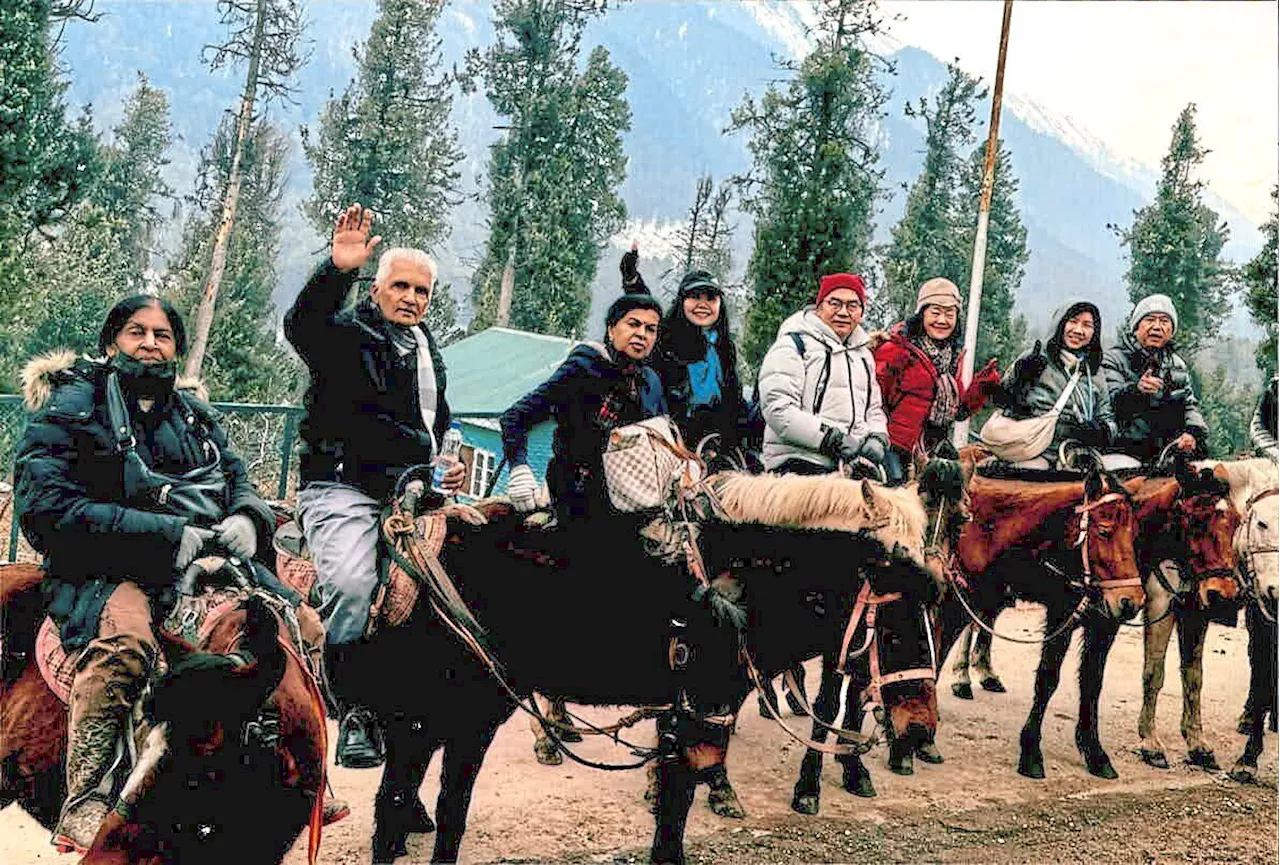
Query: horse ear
[870, 498]
[919, 459]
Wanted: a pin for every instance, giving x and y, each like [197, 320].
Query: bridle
[1246, 561]
[865, 610]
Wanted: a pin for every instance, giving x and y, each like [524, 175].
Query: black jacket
[727, 418]
[574, 395]
[363, 425]
[70, 488]
[1148, 422]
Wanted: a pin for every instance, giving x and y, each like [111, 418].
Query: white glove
[238, 535]
[522, 489]
[188, 547]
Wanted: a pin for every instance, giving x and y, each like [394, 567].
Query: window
[482, 469]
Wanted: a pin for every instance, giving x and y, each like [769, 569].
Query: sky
[1124, 70]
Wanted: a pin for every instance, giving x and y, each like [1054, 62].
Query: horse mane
[1247, 477]
[891, 515]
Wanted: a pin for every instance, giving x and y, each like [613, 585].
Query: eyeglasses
[847, 305]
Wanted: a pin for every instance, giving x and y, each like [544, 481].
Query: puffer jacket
[70, 488]
[1148, 422]
[1090, 402]
[832, 384]
[908, 382]
[588, 395]
[1262, 429]
[363, 425]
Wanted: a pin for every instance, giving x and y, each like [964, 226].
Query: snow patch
[466, 21]
[784, 22]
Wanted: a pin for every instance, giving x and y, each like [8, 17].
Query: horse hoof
[1033, 770]
[1203, 758]
[929, 753]
[1245, 726]
[904, 767]
[805, 804]
[1242, 773]
[963, 690]
[1104, 770]
[547, 753]
[570, 736]
[1154, 759]
[860, 785]
[993, 684]
[723, 802]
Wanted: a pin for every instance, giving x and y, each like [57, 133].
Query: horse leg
[1098, 639]
[1249, 714]
[795, 705]
[677, 782]
[1049, 671]
[1155, 643]
[544, 748]
[927, 749]
[395, 807]
[722, 799]
[1262, 690]
[807, 796]
[856, 777]
[1191, 633]
[987, 677]
[463, 756]
[961, 686]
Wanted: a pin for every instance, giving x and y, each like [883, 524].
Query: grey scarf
[946, 396]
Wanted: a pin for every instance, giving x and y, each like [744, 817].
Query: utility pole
[984, 212]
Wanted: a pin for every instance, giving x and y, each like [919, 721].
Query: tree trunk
[230, 200]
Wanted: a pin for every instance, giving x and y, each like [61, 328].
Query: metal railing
[265, 437]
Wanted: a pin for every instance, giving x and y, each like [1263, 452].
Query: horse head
[1103, 527]
[905, 670]
[203, 789]
[1205, 523]
[1257, 547]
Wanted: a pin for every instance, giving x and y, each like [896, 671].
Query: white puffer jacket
[834, 383]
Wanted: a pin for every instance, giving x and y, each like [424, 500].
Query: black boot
[360, 740]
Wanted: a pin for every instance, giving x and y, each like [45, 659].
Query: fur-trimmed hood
[46, 371]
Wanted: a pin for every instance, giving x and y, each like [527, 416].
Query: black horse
[586, 613]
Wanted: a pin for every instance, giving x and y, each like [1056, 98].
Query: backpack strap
[824, 378]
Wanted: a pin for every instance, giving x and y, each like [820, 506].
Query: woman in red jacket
[917, 366]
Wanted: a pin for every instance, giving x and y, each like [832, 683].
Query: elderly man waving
[1150, 386]
[818, 388]
[375, 407]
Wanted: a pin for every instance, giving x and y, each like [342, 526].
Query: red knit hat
[833, 281]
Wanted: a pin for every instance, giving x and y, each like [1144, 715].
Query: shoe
[334, 810]
[360, 740]
[78, 825]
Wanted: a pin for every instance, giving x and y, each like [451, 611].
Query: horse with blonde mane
[1256, 494]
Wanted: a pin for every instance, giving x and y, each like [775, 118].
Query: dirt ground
[973, 808]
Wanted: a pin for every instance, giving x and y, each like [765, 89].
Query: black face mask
[145, 380]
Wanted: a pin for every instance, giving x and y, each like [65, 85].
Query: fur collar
[42, 373]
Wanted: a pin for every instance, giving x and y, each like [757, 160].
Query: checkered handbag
[644, 461]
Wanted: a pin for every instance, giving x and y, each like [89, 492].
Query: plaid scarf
[621, 405]
[946, 397]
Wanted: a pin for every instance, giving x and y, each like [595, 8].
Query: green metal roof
[493, 368]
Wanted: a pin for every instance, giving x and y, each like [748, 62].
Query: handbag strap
[1068, 390]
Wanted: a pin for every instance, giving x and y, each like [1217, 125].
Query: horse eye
[1262, 524]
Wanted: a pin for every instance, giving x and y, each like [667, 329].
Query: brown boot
[95, 764]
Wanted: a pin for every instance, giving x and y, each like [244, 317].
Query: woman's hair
[683, 339]
[913, 329]
[120, 314]
[1092, 351]
[629, 303]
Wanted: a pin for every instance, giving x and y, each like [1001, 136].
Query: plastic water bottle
[450, 448]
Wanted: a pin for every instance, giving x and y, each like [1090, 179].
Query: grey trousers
[341, 527]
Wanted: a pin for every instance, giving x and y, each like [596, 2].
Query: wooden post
[984, 211]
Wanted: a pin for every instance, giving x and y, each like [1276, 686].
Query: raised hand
[630, 265]
[352, 244]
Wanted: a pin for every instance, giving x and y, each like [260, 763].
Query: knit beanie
[938, 291]
[1153, 303]
[835, 281]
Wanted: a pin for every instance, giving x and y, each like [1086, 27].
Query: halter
[864, 613]
[1246, 563]
[1082, 541]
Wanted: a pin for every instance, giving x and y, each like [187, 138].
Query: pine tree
[553, 178]
[132, 185]
[1259, 277]
[263, 34]
[1001, 334]
[1175, 243]
[388, 142]
[926, 241]
[703, 240]
[245, 361]
[815, 179]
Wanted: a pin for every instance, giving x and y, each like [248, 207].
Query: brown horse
[1064, 543]
[203, 789]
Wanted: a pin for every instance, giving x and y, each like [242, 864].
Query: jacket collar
[46, 371]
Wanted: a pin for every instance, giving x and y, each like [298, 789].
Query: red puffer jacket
[907, 384]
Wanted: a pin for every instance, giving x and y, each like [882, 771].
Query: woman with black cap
[598, 388]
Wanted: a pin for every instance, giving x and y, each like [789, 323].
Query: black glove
[1028, 368]
[632, 281]
[873, 448]
[832, 443]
